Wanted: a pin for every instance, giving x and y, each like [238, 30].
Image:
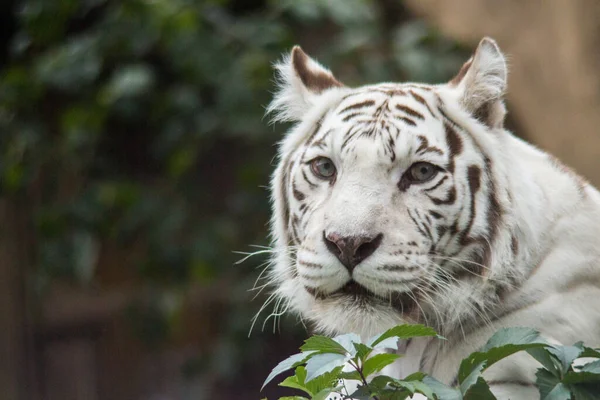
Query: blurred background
[135, 158]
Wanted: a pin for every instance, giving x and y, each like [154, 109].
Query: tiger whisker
[268, 301]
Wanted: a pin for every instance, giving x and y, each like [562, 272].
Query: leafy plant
[328, 365]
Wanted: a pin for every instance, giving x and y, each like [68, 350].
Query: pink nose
[351, 250]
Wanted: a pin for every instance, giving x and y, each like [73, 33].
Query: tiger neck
[542, 193]
[537, 198]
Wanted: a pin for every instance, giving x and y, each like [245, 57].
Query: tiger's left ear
[301, 82]
[481, 83]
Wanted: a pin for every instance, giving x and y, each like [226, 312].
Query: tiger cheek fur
[403, 202]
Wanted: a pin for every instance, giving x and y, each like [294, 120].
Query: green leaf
[416, 376]
[323, 344]
[348, 342]
[580, 377]
[320, 364]
[479, 391]
[593, 367]
[547, 359]
[589, 352]
[327, 380]
[392, 394]
[288, 363]
[441, 391]
[546, 382]
[313, 387]
[350, 375]
[565, 355]
[472, 378]
[560, 392]
[381, 383]
[297, 380]
[323, 394]
[378, 362]
[362, 351]
[514, 336]
[363, 392]
[585, 391]
[414, 387]
[589, 372]
[404, 332]
[502, 344]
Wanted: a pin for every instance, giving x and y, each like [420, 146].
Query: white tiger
[403, 202]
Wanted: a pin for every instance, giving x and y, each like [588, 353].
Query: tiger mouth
[405, 302]
[351, 288]
[354, 288]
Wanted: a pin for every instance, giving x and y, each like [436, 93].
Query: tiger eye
[323, 167]
[422, 172]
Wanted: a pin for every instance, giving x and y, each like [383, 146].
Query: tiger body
[410, 203]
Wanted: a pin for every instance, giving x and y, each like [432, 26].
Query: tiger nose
[351, 250]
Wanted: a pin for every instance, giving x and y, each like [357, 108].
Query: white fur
[486, 79]
[293, 99]
[549, 284]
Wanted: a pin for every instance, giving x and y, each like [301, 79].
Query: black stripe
[514, 245]
[409, 111]
[421, 100]
[310, 264]
[366, 103]
[407, 120]
[417, 224]
[424, 147]
[286, 170]
[351, 116]
[455, 145]
[316, 130]
[435, 215]
[437, 185]
[298, 195]
[450, 199]
[320, 142]
[427, 231]
[311, 184]
[295, 236]
[474, 180]
[349, 135]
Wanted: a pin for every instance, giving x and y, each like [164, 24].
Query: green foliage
[559, 378]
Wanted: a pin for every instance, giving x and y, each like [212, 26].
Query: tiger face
[386, 208]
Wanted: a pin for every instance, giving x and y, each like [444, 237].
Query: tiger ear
[481, 83]
[301, 80]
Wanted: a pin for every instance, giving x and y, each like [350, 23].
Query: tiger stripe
[409, 111]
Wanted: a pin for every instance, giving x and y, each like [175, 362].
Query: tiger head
[388, 200]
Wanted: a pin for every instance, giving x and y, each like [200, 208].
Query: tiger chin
[410, 203]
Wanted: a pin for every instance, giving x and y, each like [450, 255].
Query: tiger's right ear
[301, 80]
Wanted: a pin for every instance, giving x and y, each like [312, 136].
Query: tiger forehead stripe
[320, 141]
[363, 104]
[409, 111]
[424, 147]
[421, 100]
[407, 120]
[351, 116]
